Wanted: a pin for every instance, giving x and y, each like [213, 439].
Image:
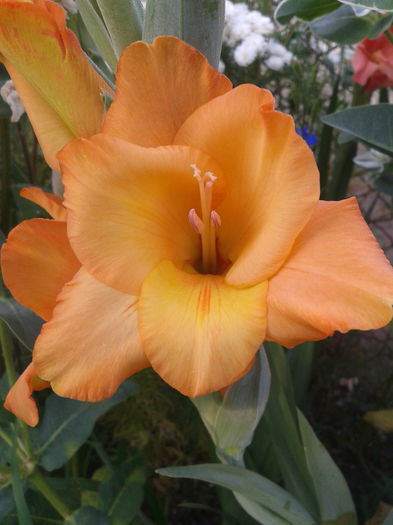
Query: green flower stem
[343, 166]
[49, 494]
[7, 353]
[36, 477]
[325, 144]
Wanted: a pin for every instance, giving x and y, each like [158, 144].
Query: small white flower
[221, 66]
[245, 54]
[229, 9]
[259, 23]
[256, 42]
[275, 62]
[275, 48]
[11, 97]
[240, 9]
[240, 30]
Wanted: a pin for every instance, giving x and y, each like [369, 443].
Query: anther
[215, 218]
[195, 222]
[197, 172]
[210, 175]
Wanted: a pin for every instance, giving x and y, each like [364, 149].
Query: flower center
[206, 226]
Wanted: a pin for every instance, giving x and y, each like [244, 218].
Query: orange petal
[19, 400]
[36, 262]
[92, 343]
[158, 87]
[271, 176]
[125, 216]
[58, 86]
[198, 332]
[49, 202]
[336, 278]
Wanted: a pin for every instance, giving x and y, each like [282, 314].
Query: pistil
[210, 221]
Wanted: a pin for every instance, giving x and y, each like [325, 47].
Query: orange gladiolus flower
[59, 88]
[373, 62]
[197, 232]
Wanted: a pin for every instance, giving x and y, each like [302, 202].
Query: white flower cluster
[11, 97]
[247, 32]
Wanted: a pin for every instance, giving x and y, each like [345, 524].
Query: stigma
[206, 226]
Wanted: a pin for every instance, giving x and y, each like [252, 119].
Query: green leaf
[67, 424]
[23, 323]
[381, 419]
[98, 32]
[7, 502]
[375, 5]
[70, 489]
[334, 499]
[259, 513]
[241, 410]
[281, 419]
[199, 23]
[342, 26]
[122, 493]
[248, 484]
[123, 20]
[382, 25]
[5, 110]
[300, 360]
[305, 9]
[370, 124]
[88, 516]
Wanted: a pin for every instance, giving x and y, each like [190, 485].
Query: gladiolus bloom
[194, 233]
[59, 88]
[373, 63]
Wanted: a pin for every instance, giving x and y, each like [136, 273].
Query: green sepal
[232, 420]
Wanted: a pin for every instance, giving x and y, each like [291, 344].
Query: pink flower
[373, 63]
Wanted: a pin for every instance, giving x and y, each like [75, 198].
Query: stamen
[206, 226]
[195, 222]
[208, 196]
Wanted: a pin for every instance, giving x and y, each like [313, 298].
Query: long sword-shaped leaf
[334, 499]
[248, 484]
[123, 20]
[98, 32]
[200, 23]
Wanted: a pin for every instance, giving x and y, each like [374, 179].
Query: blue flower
[310, 138]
